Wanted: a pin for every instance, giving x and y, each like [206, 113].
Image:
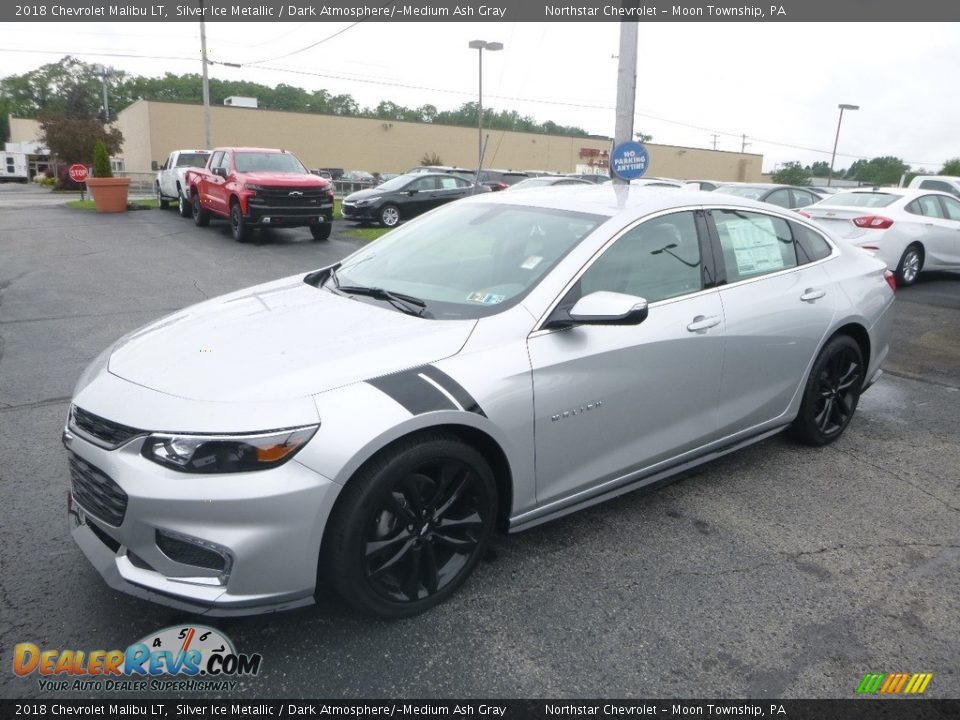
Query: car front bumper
[288, 216]
[266, 525]
[359, 212]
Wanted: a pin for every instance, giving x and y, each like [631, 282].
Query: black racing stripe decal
[413, 392]
[454, 388]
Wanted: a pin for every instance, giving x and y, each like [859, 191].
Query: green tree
[642, 137]
[885, 170]
[101, 160]
[821, 168]
[791, 173]
[950, 167]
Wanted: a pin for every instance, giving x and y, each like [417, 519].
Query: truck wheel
[162, 201]
[183, 205]
[322, 231]
[201, 218]
[238, 224]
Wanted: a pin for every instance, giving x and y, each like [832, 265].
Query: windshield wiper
[405, 303]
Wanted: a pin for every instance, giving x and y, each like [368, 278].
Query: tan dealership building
[152, 129]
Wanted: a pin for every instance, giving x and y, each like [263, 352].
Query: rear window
[196, 160]
[870, 200]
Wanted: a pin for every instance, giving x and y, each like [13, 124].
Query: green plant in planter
[101, 161]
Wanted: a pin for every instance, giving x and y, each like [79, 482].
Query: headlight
[254, 188]
[226, 453]
[367, 201]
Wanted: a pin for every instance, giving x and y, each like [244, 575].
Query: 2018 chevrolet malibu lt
[500, 362]
[909, 229]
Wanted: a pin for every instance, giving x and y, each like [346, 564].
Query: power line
[304, 49]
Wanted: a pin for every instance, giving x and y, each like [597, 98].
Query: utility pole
[744, 144]
[104, 72]
[715, 136]
[207, 135]
[626, 86]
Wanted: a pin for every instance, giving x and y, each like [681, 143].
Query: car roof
[253, 149]
[905, 192]
[611, 200]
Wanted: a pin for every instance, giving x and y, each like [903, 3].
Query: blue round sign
[629, 160]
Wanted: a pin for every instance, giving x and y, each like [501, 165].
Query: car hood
[369, 193]
[278, 179]
[284, 339]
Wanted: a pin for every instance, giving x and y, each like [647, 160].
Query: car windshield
[753, 193]
[468, 260]
[196, 160]
[860, 199]
[397, 183]
[268, 162]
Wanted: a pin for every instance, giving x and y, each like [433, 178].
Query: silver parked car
[909, 229]
[499, 362]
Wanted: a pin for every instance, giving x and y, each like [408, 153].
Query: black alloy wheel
[201, 218]
[238, 224]
[832, 392]
[411, 527]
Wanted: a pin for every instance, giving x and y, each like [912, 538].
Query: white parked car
[943, 183]
[909, 229]
[170, 184]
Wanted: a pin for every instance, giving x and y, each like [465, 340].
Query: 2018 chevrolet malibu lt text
[499, 362]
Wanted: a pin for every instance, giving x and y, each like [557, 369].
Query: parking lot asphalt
[777, 571]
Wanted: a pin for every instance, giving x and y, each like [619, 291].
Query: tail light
[891, 279]
[497, 186]
[874, 222]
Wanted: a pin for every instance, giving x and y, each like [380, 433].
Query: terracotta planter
[109, 194]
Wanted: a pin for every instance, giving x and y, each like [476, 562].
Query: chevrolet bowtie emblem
[296, 193]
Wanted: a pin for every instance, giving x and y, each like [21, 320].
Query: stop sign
[78, 172]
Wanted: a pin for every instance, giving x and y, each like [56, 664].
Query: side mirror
[609, 308]
[221, 171]
[154, 165]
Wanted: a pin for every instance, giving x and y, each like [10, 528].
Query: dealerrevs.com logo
[191, 658]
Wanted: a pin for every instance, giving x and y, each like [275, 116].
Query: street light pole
[206, 82]
[833, 157]
[104, 72]
[480, 46]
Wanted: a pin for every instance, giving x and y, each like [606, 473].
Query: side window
[802, 198]
[779, 197]
[913, 208]
[423, 184]
[448, 183]
[930, 206]
[754, 244]
[658, 259]
[951, 207]
[810, 245]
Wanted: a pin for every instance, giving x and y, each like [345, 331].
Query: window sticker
[755, 246]
[485, 298]
[531, 262]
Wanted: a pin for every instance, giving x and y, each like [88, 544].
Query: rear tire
[183, 205]
[911, 263]
[832, 392]
[238, 224]
[201, 218]
[410, 526]
[322, 231]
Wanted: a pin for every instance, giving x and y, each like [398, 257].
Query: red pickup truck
[260, 187]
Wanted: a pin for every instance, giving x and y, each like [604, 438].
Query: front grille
[281, 197]
[96, 492]
[110, 434]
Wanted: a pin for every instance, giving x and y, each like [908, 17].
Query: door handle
[702, 322]
[811, 294]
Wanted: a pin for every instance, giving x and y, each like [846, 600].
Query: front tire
[201, 218]
[911, 262]
[411, 526]
[239, 226]
[321, 231]
[161, 200]
[832, 392]
[389, 216]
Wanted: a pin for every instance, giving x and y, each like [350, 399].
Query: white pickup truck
[170, 184]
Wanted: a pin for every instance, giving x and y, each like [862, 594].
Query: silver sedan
[909, 229]
[495, 364]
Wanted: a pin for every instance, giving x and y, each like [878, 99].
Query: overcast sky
[779, 83]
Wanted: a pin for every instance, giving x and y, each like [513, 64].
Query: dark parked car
[786, 196]
[495, 180]
[590, 177]
[405, 196]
